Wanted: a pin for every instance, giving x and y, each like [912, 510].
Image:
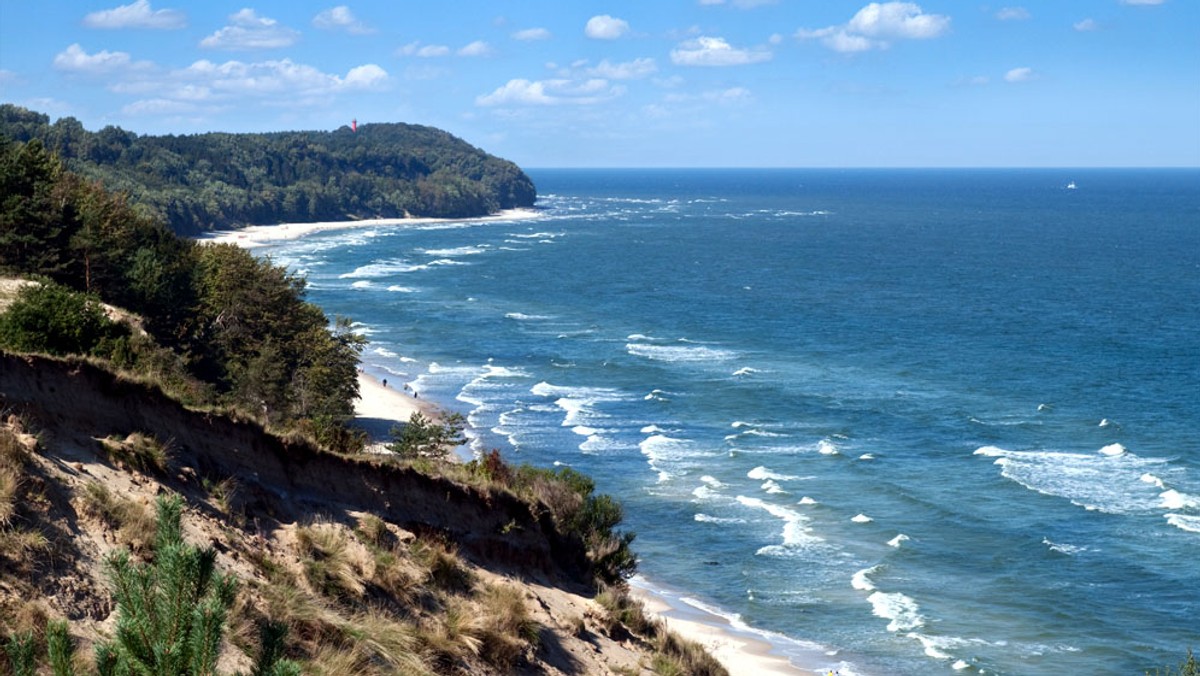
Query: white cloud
[423, 51]
[137, 14]
[605, 27]
[877, 25]
[530, 34]
[1023, 74]
[522, 92]
[629, 70]
[710, 51]
[1012, 14]
[158, 107]
[248, 30]
[341, 18]
[476, 48]
[74, 60]
[1086, 25]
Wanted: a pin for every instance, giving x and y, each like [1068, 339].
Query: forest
[201, 182]
[214, 325]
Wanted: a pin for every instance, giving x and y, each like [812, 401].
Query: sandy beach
[258, 235]
[379, 407]
[738, 650]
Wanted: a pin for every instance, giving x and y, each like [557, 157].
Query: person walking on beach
[385, 382]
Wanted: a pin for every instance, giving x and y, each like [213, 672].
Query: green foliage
[422, 437]
[170, 614]
[60, 648]
[206, 181]
[22, 653]
[56, 320]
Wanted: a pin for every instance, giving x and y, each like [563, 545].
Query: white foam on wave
[1152, 480]
[656, 395]
[761, 472]
[378, 269]
[827, 447]
[773, 488]
[861, 518]
[678, 353]
[584, 430]
[1109, 482]
[866, 456]
[361, 284]
[1105, 423]
[639, 337]
[712, 481]
[861, 580]
[659, 448]
[396, 288]
[1188, 522]
[651, 429]
[1113, 449]
[522, 317]
[796, 534]
[1063, 548]
[902, 612]
[457, 251]
[578, 403]
[898, 540]
[806, 501]
[537, 235]
[706, 518]
[1173, 499]
[745, 371]
[959, 665]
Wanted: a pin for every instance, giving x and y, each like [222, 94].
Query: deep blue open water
[923, 421]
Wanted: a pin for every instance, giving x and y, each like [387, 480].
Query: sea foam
[902, 612]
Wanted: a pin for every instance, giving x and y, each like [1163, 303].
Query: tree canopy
[210, 181]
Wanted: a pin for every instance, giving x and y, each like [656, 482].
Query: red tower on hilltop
[354, 125]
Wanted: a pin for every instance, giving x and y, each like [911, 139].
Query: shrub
[422, 437]
[140, 451]
[54, 319]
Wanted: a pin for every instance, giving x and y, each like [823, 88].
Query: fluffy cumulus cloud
[1012, 14]
[137, 14]
[530, 34]
[520, 92]
[74, 59]
[605, 27]
[710, 51]
[877, 26]
[340, 18]
[1023, 74]
[476, 48]
[247, 30]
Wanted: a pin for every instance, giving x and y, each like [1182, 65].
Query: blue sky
[633, 83]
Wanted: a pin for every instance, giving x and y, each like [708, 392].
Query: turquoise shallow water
[924, 421]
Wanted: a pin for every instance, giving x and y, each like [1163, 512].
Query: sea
[904, 421]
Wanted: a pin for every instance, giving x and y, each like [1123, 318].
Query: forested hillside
[215, 325]
[211, 181]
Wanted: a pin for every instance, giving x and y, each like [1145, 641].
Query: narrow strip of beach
[258, 235]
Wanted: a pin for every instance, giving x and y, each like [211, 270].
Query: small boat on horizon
[1071, 185]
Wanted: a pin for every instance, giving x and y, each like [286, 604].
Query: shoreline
[253, 236]
[378, 408]
[739, 648]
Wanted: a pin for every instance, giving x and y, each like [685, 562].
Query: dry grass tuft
[443, 568]
[374, 531]
[139, 451]
[329, 564]
[134, 522]
[507, 630]
[450, 638]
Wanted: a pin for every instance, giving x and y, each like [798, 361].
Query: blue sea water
[921, 421]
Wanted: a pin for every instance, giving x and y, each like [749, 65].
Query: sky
[640, 83]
